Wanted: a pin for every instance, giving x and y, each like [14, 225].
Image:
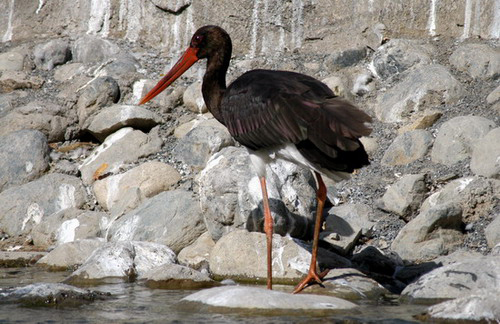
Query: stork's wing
[264, 108]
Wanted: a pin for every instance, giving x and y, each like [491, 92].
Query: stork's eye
[197, 39]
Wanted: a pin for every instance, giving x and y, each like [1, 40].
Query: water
[134, 303]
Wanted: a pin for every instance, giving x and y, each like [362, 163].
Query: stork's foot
[311, 278]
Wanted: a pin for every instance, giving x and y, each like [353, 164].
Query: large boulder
[486, 155]
[230, 195]
[242, 255]
[24, 156]
[427, 86]
[150, 178]
[478, 60]
[172, 218]
[457, 138]
[23, 207]
[472, 276]
[430, 234]
[124, 146]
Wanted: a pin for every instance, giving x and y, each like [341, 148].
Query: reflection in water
[134, 303]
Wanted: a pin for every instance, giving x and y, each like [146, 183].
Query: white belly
[290, 153]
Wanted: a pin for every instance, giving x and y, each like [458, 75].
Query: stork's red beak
[184, 63]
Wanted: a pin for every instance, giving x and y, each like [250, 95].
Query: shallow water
[134, 303]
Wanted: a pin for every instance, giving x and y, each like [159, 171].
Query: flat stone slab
[49, 295]
[258, 298]
[17, 259]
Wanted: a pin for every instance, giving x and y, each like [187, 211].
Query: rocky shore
[162, 195]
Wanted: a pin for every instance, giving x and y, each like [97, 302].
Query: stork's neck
[214, 82]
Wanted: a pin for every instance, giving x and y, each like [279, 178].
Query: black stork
[278, 114]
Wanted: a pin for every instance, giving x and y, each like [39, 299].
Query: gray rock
[112, 118]
[469, 277]
[121, 261]
[24, 156]
[347, 222]
[493, 96]
[492, 232]
[124, 146]
[68, 225]
[69, 71]
[52, 53]
[100, 92]
[93, 49]
[263, 299]
[24, 206]
[150, 255]
[70, 255]
[174, 276]
[483, 307]
[13, 80]
[485, 159]
[193, 99]
[406, 195]
[167, 99]
[349, 284]
[50, 295]
[457, 138]
[230, 195]
[151, 178]
[197, 255]
[467, 193]
[172, 218]
[200, 143]
[113, 262]
[120, 67]
[398, 55]
[427, 86]
[478, 60]
[430, 234]
[241, 255]
[13, 60]
[346, 58]
[19, 259]
[6, 100]
[407, 148]
[50, 119]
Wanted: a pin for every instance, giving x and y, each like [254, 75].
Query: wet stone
[175, 276]
[50, 295]
[264, 299]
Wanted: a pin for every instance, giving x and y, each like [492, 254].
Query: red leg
[313, 275]
[268, 228]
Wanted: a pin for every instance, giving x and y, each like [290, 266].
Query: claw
[311, 278]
